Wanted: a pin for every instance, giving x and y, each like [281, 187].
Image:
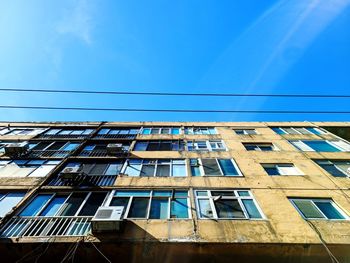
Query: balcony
[48, 153]
[41, 226]
[116, 136]
[64, 136]
[85, 180]
[102, 153]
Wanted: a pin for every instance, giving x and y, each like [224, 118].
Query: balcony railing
[64, 136]
[85, 180]
[101, 153]
[116, 136]
[47, 153]
[46, 226]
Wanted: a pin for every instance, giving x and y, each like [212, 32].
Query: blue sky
[233, 46]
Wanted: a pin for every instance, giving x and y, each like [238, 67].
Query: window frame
[202, 172]
[245, 132]
[150, 196]
[276, 165]
[208, 145]
[160, 128]
[312, 150]
[334, 163]
[258, 144]
[325, 200]
[156, 164]
[200, 130]
[294, 128]
[235, 197]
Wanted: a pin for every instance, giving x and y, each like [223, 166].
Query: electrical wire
[173, 110]
[176, 94]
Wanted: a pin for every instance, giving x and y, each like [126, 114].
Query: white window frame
[202, 172]
[325, 200]
[150, 196]
[278, 165]
[334, 163]
[208, 145]
[200, 130]
[312, 150]
[160, 130]
[156, 164]
[258, 144]
[236, 197]
[46, 163]
[245, 131]
[304, 128]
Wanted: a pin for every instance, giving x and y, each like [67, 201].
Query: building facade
[188, 192]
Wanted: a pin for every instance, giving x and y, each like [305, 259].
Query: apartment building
[175, 192]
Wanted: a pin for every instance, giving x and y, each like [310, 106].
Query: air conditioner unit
[70, 173]
[115, 148]
[107, 219]
[16, 148]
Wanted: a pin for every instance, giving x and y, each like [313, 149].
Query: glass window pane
[163, 170]
[146, 131]
[155, 131]
[54, 205]
[329, 210]
[9, 201]
[138, 208]
[98, 169]
[133, 169]
[159, 208]
[179, 170]
[36, 205]
[162, 193]
[120, 201]
[153, 146]
[195, 171]
[228, 209]
[179, 208]
[103, 131]
[252, 210]
[175, 131]
[92, 204]
[227, 167]
[147, 170]
[308, 209]
[140, 146]
[165, 131]
[278, 130]
[271, 170]
[113, 169]
[165, 146]
[73, 203]
[205, 210]
[243, 193]
[333, 170]
[132, 193]
[210, 167]
[321, 146]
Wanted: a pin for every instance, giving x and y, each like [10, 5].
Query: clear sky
[199, 46]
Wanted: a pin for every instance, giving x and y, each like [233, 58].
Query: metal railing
[101, 153]
[47, 153]
[85, 180]
[42, 226]
[64, 136]
[116, 136]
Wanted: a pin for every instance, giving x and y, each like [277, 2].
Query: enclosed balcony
[118, 133]
[106, 149]
[66, 133]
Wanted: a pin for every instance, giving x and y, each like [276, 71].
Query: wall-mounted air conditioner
[107, 219]
[115, 148]
[16, 148]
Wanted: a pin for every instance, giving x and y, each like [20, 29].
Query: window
[298, 130]
[322, 146]
[8, 201]
[159, 145]
[53, 147]
[110, 168]
[206, 146]
[335, 168]
[23, 168]
[245, 131]
[161, 130]
[68, 132]
[64, 204]
[100, 149]
[155, 167]
[226, 204]
[214, 167]
[152, 204]
[126, 131]
[260, 147]
[281, 169]
[21, 131]
[200, 130]
[318, 209]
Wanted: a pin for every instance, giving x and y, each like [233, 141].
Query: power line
[177, 94]
[173, 110]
